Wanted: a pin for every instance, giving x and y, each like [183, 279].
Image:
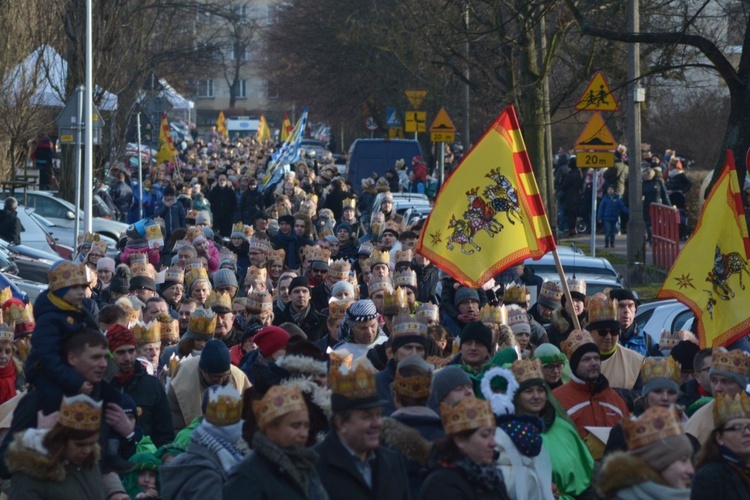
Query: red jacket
[589, 408]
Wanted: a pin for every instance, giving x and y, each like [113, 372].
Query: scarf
[210, 436]
[296, 462]
[124, 378]
[288, 242]
[297, 317]
[486, 476]
[8, 382]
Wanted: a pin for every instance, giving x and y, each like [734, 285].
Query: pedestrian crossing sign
[597, 96]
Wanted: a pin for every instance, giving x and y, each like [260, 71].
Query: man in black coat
[251, 202]
[10, 226]
[301, 311]
[352, 463]
[223, 205]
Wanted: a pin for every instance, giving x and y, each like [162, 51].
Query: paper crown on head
[143, 271]
[404, 256]
[280, 400]
[87, 238]
[80, 413]
[192, 233]
[493, 314]
[356, 382]
[223, 405]
[256, 274]
[238, 230]
[227, 256]
[7, 332]
[378, 257]
[470, 413]
[318, 253]
[170, 328]
[100, 247]
[577, 286]
[514, 294]
[413, 386]
[339, 358]
[218, 299]
[277, 255]
[366, 248]
[516, 315]
[427, 311]
[527, 369]
[551, 291]
[202, 323]
[249, 231]
[735, 361]
[147, 333]
[393, 226]
[407, 277]
[259, 243]
[69, 274]
[339, 269]
[194, 264]
[15, 312]
[349, 203]
[669, 340]
[601, 308]
[407, 324]
[194, 274]
[257, 302]
[378, 284]
[137, 258]
[337, 308]
[175, 274]
[655, 424]
[395, 302]
[653, 368]
[576, 339]
[729, 408]
[6, 294]
[192, 214]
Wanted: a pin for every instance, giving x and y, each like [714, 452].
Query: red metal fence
[665, 229]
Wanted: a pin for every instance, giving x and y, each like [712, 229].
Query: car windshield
[549, 269]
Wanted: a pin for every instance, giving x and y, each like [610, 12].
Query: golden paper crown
[407, 277]
[218, 299]
[339, 269]
[339, 358]
[337, 308]
[669, 340]
[527, 369]
[226, 255]
[407, 324]
[277, 255]
[69, 274]
[404, 256]
[655, 424]
[143, 271]
[256, 274]
[727, 408]
[427, 312]
[99, 247]
[319, 253]
[378, 257]
[350, 203]
[147, 334]
[249, 231]
[394, 302]
[194, 274]
[414, 386]
[357, 382]
[17, 314]
[258, 302]
[80, 413]
[378, 284]
[601, 308]
[238, 227]
[736, 361]
[194, 264]
[551, 290]
[224, 406]
[578, 286]
[174, 273]
[7, 332]
[470, 413]
[576, 339]
[192, 214]
[280, 400]
[515, 294]
[6, 294]
[137, 258]
[259, 243]
[516, 315]
[307, 208]
[394, 226]
[493, 314]
[87, 238]
[170, 329]
[667, 368]
[192, 233]
[202, 323]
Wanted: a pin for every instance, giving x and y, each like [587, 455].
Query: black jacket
[718, 481]
[314, 324]
[450, 483]
[148, 393]
[343, 481]
[223, 204]
[10, 227]
[250, 203]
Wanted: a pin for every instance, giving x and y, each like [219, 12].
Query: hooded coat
[626, 477]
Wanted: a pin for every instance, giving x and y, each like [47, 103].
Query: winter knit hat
[346, 227]
[121, 280]
[446, 379]
[225, 277]
[342, 286]
[524, 430]
[118, 336]
[664, 452]
[476, 330]
[105, 264]
[215, 357]
[297, 282]
[465, 293]
[271, 339]
[203, 218]
[684, 353]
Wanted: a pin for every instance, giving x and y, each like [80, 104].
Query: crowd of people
[286, 341]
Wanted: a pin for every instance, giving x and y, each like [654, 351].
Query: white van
[242, 125]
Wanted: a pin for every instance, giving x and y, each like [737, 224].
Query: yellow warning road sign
[415, 121]
[597, 96]
[442, 123]
[596, 136]
[396, 132]
[415, 97]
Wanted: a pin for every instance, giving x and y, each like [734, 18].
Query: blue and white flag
[288, 154]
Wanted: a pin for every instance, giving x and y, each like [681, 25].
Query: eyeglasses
[96, 255]
[738, 428]
[553, 367]
[608, 331]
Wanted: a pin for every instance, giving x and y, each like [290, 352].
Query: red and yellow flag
[167, 151]
[489, 215]
[221, 125]
[263, 132]
[286, 129]
[708, 274]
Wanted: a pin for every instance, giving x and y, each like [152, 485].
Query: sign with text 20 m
[442, 128]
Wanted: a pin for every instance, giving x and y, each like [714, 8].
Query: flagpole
[566, 290]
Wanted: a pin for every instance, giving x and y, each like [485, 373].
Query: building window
[272, 91]
[204, 88]
[239, 51]
[241, 12]
[240, 89]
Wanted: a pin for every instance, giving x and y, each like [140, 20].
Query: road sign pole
[79, 122]
[593, 212]
[140, 167]
[88, 171]
[441, 171]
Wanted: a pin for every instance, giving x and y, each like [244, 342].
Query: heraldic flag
[708, 274]
[489, 214]
[167, 151]
[286, 129]
[221, 125]
[263, 132]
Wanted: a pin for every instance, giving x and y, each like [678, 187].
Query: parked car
[659, 315]
[62, 212]
[66, 236]
[377, 155]
[28, 263]
[597, 272]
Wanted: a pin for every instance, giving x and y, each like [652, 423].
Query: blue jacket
[56, 322]
[174, 217]
[611, 208]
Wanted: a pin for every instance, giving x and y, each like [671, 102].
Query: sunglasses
[608, 331]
